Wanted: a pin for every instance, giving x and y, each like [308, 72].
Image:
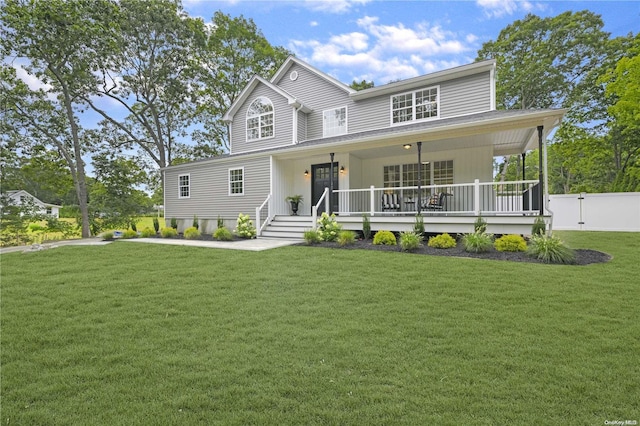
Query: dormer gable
[283, 71]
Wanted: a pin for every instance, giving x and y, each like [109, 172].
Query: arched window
[260, 119]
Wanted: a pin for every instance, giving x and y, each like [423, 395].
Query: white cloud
[313, 24]
[333, 6]
[385, 52]
[500, 8]
[31, 80]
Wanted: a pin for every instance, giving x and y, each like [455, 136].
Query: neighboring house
[425, 144]
[21, 196]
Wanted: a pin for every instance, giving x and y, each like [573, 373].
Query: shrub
[174, 223]
[129, 233]
[418, 227]
[328, 228]
[156, 224]
[223, 234]
[511, 243]
[195, 223]
[311, 237]
[384, 238]
[220, 222]
[134, 227]
[539, 227]
[366, 227]
[244, 227]
[346, 238]
[550, 249]
[478, 242]
[442, 241]
[107, 236]
[147, 233]
[169, 232]
[192, 233]
[479, 226]
[410, 241]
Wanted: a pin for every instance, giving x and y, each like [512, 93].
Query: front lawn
[148, 334]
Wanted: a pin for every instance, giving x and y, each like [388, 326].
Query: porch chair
[435, 201]
[390, 202]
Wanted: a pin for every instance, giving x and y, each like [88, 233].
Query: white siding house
[412, 140]
[21, 197]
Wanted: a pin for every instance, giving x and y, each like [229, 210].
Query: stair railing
[268, 218]
[314, 209]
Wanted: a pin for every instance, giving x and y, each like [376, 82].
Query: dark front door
[320, 180]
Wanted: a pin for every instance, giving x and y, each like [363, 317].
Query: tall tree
[364, 84]
[234, 51]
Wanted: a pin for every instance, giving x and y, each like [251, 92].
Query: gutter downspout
[295, 123]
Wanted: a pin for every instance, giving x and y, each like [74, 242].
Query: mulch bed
[583, 256]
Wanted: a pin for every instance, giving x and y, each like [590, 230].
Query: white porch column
[372, 206]
[476, 197]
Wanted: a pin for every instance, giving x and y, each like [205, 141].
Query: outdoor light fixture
[306, 172]
[342, 169]
[407, 146]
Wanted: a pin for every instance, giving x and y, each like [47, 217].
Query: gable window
[418, 105]
[236, 181]
[184, 187]
[334, 122]
[260, 119]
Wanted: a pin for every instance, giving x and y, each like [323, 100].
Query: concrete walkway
[258, 244]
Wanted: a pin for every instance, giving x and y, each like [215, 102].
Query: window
[183, 186]
[410, 174]
[392, 176]
[334, 122]
[260, 119]
[236, 181]
[418, 105]
[443, 172]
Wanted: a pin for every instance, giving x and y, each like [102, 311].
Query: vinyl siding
[315, 93]
[209, 192]
[283, 123]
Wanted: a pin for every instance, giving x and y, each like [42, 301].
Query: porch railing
[262, 215]
[314, 210]
[476, 198]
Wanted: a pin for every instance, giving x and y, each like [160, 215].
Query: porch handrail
[314, 209]
[259, 227]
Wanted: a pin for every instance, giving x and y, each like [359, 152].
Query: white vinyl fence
[618, 211]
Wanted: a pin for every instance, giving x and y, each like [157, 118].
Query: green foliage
[478, 242]
[134, 227]
[364, 84]
[539, 226]
[442, 241]
[129, 233]
[168, 232]
[366, 227]
[220, 222]
[550, 249]
[346, 238]
[410, 241]
[192, 233]
[418, 227]
[196, 222]
[174, 223]
[156, 224]
[311, 236]
[15, 219]
[244, 227]
[223, 234]
[107, 236]
[148, 233]
[480, 225]
[328, 228]
[510, 242]
[294, 198]
[385, 238]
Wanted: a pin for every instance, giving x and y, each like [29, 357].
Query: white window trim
[229, 182]
[180, 186]
[246, 122]
[346, 121]
[413, 106]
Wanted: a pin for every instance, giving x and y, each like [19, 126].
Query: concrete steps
[287, 227]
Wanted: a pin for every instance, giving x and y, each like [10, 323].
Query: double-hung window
[334, 122]
[236, 181]
[184, 186]
[260, 119]
[419, 105]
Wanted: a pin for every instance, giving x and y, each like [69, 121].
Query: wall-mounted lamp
[306, 173]
[342, 169]
[407, 146]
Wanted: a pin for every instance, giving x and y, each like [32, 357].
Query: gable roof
[248, 89]
[21, 192]
[293, 60]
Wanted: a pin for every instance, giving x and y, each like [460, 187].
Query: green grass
[302, 335]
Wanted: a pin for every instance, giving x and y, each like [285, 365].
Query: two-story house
[422, 145]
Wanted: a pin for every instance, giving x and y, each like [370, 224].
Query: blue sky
[389, 40]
